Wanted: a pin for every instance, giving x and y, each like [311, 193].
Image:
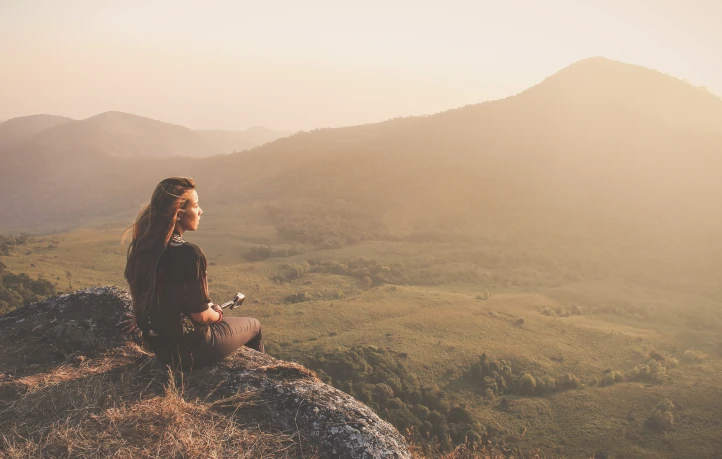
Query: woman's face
[190, 215]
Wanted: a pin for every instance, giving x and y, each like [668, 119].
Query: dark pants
[223, 339]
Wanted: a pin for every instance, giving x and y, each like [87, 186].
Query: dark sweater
[181, 289]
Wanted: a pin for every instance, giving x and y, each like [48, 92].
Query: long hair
[151, 232]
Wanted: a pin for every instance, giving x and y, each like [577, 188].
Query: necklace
[176, 240]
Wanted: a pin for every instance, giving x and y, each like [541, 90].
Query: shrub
[612, 377]
[550, 384]
[290, 272]
[258, 253]
[639, 372]
[547, 311]
[10, 242]
[662, 417]
[569, 381]
[20, 289]
[380, 379]
[497, 377]
[298, 297]
[421, 412]
[457, 415]
[527, 384]
[661, 420]
[694, 356]
[607, 379]
[653, 371]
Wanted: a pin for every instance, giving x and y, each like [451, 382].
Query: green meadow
[629, 346]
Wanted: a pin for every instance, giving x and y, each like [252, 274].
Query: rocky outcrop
[281, 396]
[334, 423]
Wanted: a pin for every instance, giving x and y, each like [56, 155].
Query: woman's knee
[241, 329]
[249, 324]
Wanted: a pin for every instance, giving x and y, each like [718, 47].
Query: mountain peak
[123, 117]
[602, 71]
[596, 62]
[603, 88]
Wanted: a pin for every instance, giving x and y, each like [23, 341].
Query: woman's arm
[209, 316]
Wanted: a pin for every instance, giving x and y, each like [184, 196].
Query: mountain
[599, 88]
[233, 141]
[600, 146]
[626, 143]
[64, 158]
[17, 130]
[127, 136]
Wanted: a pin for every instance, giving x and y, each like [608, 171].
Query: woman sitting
[169, 289]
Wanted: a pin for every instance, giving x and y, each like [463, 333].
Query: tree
[527, 384]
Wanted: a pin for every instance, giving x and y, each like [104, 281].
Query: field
[589, 328]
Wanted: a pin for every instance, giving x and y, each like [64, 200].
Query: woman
[168, 286]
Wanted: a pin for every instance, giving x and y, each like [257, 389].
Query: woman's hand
[209, 316]
[129, 324]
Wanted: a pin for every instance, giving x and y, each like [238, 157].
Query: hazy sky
[305, 64]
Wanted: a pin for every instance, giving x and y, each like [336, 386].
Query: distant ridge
[17, 130]
[598, 141]
[125, 135]
[233, 141]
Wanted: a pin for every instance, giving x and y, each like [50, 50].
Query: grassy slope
[444, 328]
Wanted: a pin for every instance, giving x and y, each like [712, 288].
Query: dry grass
[469, 451]
[120, 407]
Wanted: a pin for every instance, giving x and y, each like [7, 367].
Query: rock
[81, 323]
[337, 424]
[283, 396]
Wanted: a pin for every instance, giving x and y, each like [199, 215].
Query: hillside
[15, 131]
[599, 140]
[115, 154]
[541, 171]
[234, 141]
[127, 136]
[124, 135]
[401, 326]
[613, 140]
